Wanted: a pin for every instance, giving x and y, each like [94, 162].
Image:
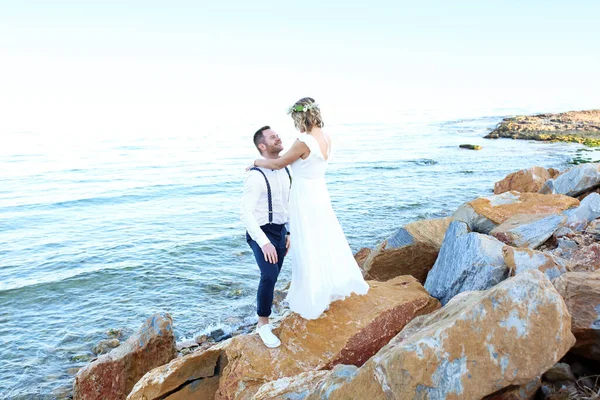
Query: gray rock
[560, 372]
[528, 230]
[467, 261]
[588, 210]
[521, 260]
[562, 232]
[477, 222]
[186, 344]
[574, 181]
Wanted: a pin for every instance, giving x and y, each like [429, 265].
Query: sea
[97, 235]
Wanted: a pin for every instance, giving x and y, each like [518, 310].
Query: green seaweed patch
[570, 139]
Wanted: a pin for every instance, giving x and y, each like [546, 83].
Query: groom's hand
[270, 253]
[287, 244]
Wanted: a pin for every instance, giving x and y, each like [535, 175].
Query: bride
[323, 267]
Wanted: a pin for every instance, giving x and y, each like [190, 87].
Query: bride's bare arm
[297, 150]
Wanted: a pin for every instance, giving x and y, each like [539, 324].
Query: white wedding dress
[323, 267]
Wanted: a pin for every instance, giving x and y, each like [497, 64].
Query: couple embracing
[290, 210]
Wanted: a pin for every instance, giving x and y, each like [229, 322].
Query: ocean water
[99, 234]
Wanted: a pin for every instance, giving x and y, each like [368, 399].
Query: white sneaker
[268, 338]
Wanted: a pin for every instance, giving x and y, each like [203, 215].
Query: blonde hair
[306, 115]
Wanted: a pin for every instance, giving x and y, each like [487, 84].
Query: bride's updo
[306, 114]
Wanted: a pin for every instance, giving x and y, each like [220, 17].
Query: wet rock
[412, 250]
[113, 375]
[485, 213]
[470, 146]
[115, 333]
[581, 291]
[104, 346]
[219, 335]
[574, 181]
[521, 260]
[467, 261]
[201, 339]
[528, 230]
[479, 343]
[526, 180]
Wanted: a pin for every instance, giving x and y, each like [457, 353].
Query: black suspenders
[269, 197]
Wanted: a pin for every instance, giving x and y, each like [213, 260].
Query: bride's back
[315, 165]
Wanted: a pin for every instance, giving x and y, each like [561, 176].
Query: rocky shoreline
[499, 301]
[573, 126]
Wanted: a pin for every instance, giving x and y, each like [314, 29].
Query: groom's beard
[274, 151]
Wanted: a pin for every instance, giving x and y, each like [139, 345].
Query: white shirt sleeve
[254, 186]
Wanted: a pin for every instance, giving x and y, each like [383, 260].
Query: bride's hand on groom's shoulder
[249, 167]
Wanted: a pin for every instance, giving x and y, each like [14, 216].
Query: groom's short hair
[259, 137]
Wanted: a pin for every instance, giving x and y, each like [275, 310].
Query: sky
[136, 67]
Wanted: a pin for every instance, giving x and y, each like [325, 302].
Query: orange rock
[202, 389]
[581, 291]
[523, 392]
[350, 332]
[485, 213]
[479, 343]
[196, 367]
[113, 375]
[411, 251]
[524, 181]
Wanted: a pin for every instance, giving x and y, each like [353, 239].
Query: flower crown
[302, 107]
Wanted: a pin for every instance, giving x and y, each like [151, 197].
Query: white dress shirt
[255, 203]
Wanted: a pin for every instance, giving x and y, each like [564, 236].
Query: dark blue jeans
[268, 271]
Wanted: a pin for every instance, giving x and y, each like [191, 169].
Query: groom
[265, 215]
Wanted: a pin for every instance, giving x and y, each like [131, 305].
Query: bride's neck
[315, 130]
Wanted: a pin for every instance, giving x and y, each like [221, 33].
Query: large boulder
[574, 181]
[485, 213]
[526, 180]
[350, 332]
[113, 375]
[581, 291]
[467, 261]
[588, 210]
[195, 372]
[412, 250]
[528, 230]
[520, 260]
[479, 343]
